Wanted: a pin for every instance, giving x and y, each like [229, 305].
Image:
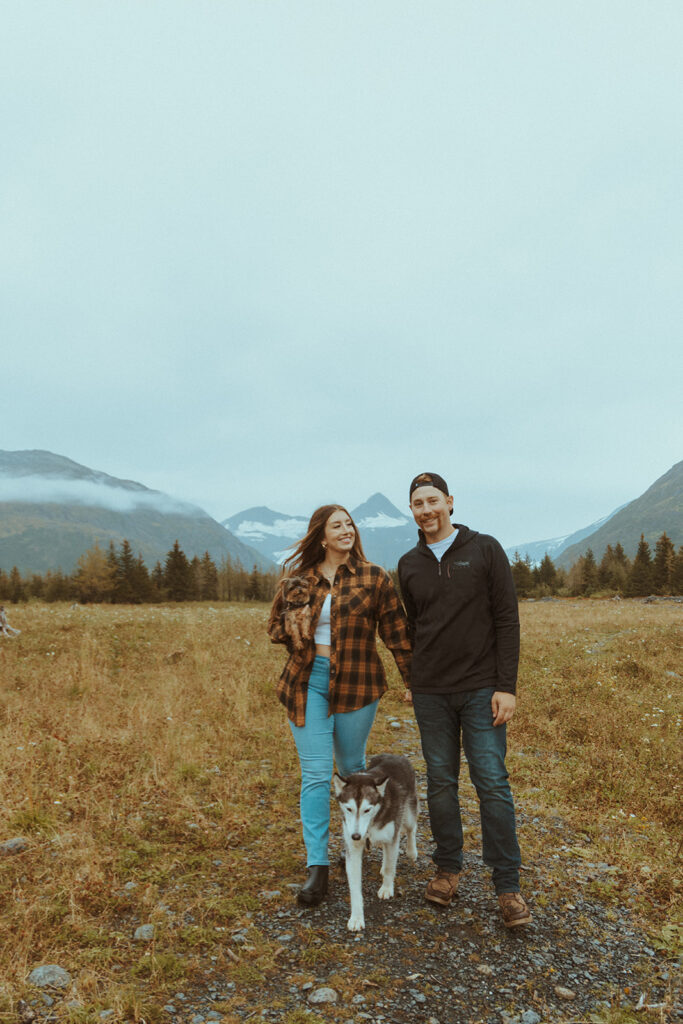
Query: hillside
[53, 509]
[658, 510]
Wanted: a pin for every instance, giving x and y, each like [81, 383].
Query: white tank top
[322, 630]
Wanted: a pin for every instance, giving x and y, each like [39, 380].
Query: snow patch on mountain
[380, 521]
[252, 530]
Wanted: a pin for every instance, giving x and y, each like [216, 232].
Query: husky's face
[360, 804]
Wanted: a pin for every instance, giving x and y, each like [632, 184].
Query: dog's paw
[356, 923]
[386, 891]
[411, 852]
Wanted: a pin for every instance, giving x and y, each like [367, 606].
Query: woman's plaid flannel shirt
[364, 600]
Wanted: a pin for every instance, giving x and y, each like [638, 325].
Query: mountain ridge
[65, 508]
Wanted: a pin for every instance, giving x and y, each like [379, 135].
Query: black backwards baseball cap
[429, 480]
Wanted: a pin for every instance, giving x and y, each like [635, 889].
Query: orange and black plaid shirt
[364, 600]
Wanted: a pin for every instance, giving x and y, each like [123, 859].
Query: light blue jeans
[323, 738]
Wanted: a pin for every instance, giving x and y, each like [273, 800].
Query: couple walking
[456, 646]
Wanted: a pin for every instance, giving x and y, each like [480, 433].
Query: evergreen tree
[196, 580]
[17, 591]
[177, 574]
[124, 576]
[521, 574]
[141, 585]
[209, 577]
[663, 565]
[589, 573]
[547, 573]
[677, 573]
[157, 581]
[640, 578]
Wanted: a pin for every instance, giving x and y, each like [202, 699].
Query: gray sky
[286, 253]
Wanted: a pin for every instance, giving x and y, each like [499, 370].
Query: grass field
[146, 761]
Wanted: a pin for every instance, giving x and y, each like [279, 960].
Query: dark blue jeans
[443, 719]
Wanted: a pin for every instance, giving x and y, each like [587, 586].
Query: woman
[332, 681]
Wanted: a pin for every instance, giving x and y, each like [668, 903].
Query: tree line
[120, 577]
[615, 573]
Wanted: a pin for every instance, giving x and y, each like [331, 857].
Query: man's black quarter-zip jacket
[462, 615]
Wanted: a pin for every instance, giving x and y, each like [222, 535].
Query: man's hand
[407, 697]
[503, 707]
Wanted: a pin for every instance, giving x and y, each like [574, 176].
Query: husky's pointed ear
[381, 786]
[338, 782]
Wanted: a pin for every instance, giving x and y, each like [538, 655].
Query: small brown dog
[296, 596]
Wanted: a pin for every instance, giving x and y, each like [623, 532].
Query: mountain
[271, 533]
[536, 549]
[386, 533]
[53, 509]
[658, 510]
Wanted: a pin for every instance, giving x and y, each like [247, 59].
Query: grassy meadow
[148, 764]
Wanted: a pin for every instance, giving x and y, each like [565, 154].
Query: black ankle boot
[315, 887]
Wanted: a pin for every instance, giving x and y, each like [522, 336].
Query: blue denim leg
[314, 744]
[318, 741]
[351, 731]
[439, 726]
[442, 719]
[485, 748]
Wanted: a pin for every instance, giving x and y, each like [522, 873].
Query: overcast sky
[285, 253]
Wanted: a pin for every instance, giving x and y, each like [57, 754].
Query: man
[463, 619]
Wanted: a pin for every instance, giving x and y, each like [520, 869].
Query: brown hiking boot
[443, 887]
[514, 909]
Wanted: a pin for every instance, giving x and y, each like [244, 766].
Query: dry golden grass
[141, 746]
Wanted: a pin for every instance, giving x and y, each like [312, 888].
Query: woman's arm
[393, 626]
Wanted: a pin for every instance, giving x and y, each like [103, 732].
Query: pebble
[145, 933]
[129, 886]
[11, 846]
[104, 1014]
[564, 993]
[530, 1017]
[485, 970]
[323, 995]
[50, 976]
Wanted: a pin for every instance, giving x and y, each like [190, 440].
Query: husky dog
[377, 806]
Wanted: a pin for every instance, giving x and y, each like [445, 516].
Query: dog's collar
[291, 604]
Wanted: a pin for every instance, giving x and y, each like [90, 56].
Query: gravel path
[419, 962]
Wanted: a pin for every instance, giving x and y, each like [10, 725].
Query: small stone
[564, 993]
[285, 937]
[170, 1008]
[419, 997]
[358, 999]
[179, 995]
[11, 846]
[323, 995]
[485, 970]
[214, 1015]
[197, 1019]
[104, 1014]
[395, 725]
[129, 886]
[50, 976]
[530, 1017]
[269, 894]
[48, 1000]
[307, 986]
[145, 933]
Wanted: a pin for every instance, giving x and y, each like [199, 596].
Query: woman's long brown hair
[309, 551]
